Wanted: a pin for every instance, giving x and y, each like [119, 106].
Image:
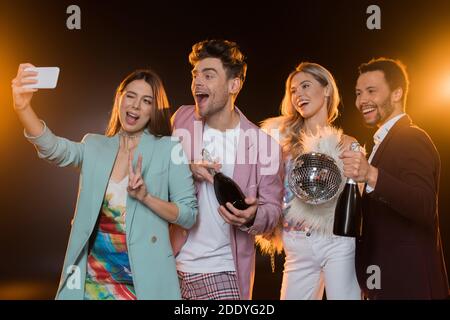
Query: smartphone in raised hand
[47, 77]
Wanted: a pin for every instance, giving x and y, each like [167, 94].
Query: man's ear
[397, 95]
[234, 85]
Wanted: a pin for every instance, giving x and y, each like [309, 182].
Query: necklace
[126, 135]
[129, 140]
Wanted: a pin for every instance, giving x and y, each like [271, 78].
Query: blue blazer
[149, 249]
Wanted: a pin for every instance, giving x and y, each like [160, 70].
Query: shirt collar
[382, 132]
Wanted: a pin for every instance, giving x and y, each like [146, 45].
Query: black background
[38, 200]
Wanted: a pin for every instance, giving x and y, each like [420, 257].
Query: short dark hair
[394, 73]
[227, 51]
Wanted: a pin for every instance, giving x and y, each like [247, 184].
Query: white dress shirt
[378, 137]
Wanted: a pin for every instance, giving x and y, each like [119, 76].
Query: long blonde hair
[291, 122]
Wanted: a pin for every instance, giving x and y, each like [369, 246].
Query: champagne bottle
[348, 212]
[225, 188]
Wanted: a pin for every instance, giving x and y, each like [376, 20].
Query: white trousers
[314, 261]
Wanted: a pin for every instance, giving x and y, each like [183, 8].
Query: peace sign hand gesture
[136, 186]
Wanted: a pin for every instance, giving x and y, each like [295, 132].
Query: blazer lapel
[103, 171]
[197, 127]
[402, 122]
[241, 170]
[146, 148]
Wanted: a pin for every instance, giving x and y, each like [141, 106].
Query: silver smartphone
[47, 77]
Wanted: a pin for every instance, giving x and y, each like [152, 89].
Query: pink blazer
[258, 172]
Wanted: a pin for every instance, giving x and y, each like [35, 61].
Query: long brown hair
[159, 123]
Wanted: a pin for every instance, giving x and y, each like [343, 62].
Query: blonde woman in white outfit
[315, 258]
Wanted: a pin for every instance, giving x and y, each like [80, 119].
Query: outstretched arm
[22, 101]
[59, 151]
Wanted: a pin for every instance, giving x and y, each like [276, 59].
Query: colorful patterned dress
[108, 268]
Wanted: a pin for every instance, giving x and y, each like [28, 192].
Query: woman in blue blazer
[119, 244]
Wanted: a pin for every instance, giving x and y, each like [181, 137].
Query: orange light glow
[445, 88]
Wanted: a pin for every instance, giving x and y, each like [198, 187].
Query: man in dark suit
[399, 255]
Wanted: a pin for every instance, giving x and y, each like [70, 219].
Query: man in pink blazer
[216, 258]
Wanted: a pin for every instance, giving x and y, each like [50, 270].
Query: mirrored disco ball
[314, 178]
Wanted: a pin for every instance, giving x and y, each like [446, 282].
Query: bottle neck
[212, 172]
[354, 147]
